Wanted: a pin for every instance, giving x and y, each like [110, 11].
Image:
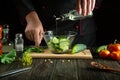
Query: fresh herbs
[9, 57]
[34, 49]
[26, 58]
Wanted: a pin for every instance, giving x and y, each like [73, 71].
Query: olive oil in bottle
[7, 44]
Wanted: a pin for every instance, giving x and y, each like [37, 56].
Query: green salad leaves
[9, 57]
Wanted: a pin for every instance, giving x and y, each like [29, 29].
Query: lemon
[78, 47]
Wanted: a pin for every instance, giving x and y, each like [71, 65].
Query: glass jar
[7, 44]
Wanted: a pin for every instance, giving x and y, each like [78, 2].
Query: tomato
[0, 31]
[104, 53]
[115, 55]
[113, 47]
[0, 47]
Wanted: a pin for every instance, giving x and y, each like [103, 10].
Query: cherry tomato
[104, 53]
[115, 55]
[113, 47]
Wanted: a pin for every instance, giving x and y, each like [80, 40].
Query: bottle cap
[18, 35]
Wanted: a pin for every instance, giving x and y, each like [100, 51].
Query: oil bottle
[7, 44]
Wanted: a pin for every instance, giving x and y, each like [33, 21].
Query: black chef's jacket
[46, 9]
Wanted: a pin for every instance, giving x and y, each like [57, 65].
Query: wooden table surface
[63, 69]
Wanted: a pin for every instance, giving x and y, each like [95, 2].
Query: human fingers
[29, 35]
[78, 6]
[84, 7]
[93, 4]
[89, 8]
[38, 38]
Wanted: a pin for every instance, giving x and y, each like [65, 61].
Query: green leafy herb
[34, 49]
[27, 58]
[8, 57]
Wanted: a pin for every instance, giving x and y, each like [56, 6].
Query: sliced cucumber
[59, 45]
[55, 40]
[64, 45]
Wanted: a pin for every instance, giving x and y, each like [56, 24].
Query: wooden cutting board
[86, 54]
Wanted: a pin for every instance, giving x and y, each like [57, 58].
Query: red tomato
[115, 55]
[104, 53]
[0, 47]
[113, 47]
[0, 31]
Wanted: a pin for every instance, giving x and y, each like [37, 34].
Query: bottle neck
[72, 15]
[5, 35]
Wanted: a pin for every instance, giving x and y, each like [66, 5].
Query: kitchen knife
[7, 73]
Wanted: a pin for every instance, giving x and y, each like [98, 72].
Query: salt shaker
[19, 42]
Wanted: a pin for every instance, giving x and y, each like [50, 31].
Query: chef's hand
[34, 28]
[84, 7]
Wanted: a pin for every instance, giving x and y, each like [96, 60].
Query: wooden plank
[65, 70]
[86, 54]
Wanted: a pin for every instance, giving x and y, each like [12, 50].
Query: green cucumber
[101, 48]
[78, 47]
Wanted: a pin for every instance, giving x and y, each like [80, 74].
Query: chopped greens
[9, 57]
[26, 59]
[34, 49]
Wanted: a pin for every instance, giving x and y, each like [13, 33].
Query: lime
[78, 47]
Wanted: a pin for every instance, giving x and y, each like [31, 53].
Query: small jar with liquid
[19, 42]
[7, 44]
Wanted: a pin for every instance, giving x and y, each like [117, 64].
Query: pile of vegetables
[109, 51]
[26, 59]
[59, 44]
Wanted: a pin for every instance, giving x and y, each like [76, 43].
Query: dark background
[106, 17]
[9, 15]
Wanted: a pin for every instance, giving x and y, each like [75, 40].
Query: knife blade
[7, 73]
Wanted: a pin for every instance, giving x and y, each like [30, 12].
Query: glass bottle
[72, 15]
[7, 44]
[19, 42]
